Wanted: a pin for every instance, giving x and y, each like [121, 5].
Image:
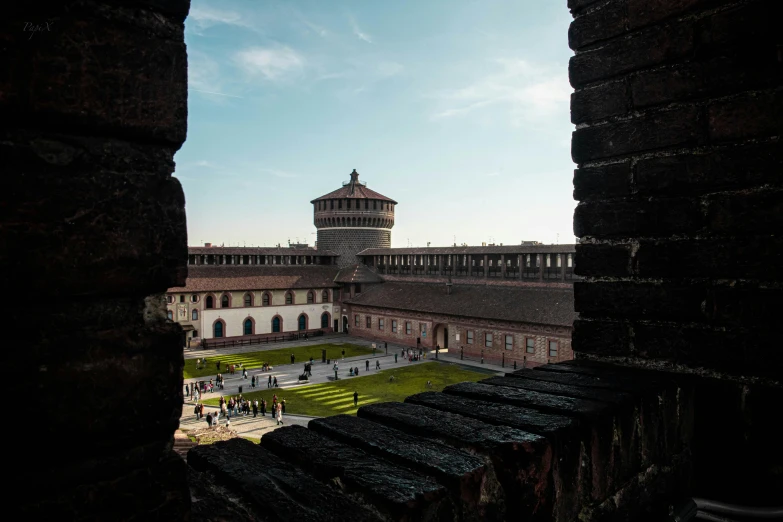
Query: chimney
[208, 245]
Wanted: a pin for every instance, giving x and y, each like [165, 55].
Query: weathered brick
[395, 491]
[642, 300]
[645, 12]
[746, 257]
[745, 305]
[753, 115]
[613, 397]
[681, 127]
[601, 23]
[603, 259]
[747, 24]
[757, 212]
[599, 102]
[100, 88]
[575, 5]
[604, 181]
[601, 337]
[465, 475]
[644, 48]
[273, 487]
[732, 168]
[522, 461]
[651, 217]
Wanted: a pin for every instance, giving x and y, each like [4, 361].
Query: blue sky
[457, 109]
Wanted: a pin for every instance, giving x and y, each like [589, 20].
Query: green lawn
[274, 357]
[323, 400]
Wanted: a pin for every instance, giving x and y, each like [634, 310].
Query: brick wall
[678, 114]
[435, 325]
[92, 111]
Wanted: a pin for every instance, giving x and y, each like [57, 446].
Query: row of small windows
[530, 342]
[357, 204]
[248, 325]
[382, 324]
[266, 299]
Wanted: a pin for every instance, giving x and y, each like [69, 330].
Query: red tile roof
[475, 250]
[354, 190]
[545, 306]
[257, 277]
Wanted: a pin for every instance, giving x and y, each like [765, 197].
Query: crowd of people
[240, 406]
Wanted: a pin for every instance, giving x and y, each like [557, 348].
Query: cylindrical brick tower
[353, 218]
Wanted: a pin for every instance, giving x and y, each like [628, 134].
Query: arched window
[224, 302]
[289, 298]
[276, 324]
[194, 315]
[324, 320]
[310, 297]
[248, 327]
[219, 329]
[210, 302]
[194, 298]
[267, 299]
[170, 315]
[302, 322]
[248, 299]
[325, 296]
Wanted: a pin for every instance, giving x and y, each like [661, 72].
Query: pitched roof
[354, 190]
[257, 277]
[546, 306]
[459, 250]
[254, 251]
[357, 274]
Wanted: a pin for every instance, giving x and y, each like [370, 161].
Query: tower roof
[354, 189]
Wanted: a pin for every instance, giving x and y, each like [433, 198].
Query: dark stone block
[600, 102]
[569, 480]
[274, 488]
[603, 259]
[395, 491]
[650, 131]
[612, 397]
[651, 217]
[754, 115]
[647, 47]
[602, 182]
[462, 473]
[522, 461]
[645, 12]
[600, 337]
[605, 22]
[663, 301]
[756, 212]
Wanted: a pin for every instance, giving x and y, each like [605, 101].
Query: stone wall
[350, 241]
[93, 106]
[679, 113]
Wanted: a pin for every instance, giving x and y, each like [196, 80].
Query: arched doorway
[345, 324]
[325, 320]
[440, 336]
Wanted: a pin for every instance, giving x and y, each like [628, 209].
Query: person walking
[263, 407]
[253, 381]
[377, 365]
[209, 420]
[196, 411]
[279, 414]
[343, 353]
[292, 358]
[269, 383]
[367, 365]
[282, 403]
[274, 382]
[201, 410]
[355, 398]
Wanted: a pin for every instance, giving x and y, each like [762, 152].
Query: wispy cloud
[361, 35]
[270, 63]
[530, 91]
[204, 76]
[217, 93]
[387, 69]
[205, 17]
[317, 29]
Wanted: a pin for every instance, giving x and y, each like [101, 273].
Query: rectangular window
[530, 345]
[509, 342]
[488, 340]
[570, 261]
[469, 337]
[380, 324]
[553, 348]
[407, 327]
[366, 204]
[356, 320]
[348, 204]
[331, 205]
[394, 326]
[368, 322]
[357, 288]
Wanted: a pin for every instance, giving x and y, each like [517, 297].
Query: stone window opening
[366, 204]
[570, 261]
[248, 300]
[194, 298]
[407, 327]
[181, 298]
[368, 321]
[225, 302]
[488, 340]
[266, 299]
[247, 327]
[509, 342]
[332, 202]
[553, 348]
[310, 297]
[374, 205]
[194, 315]
[218, 328]
[170, 299]
[277, 324]
[302, 322]
[325, 296]
[325, 320]
[559, 260]
[348, 204]
[356, 320]
[339, 203]
[381, 322]
[394, 326]
[530, 345]
[210, 302]
[469, 337]
[289, 298]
